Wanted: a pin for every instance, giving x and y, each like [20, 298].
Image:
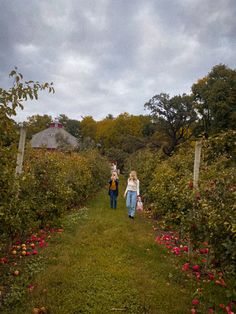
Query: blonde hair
[114, 173]
[133, 175]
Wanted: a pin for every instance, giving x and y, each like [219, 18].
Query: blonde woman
[131, 193]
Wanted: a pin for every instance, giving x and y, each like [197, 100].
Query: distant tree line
[209, 109]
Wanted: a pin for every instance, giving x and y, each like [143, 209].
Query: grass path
[106, 263]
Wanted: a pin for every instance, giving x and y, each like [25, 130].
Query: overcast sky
[111, 56]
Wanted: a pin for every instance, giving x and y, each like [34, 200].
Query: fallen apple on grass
[16, 272]
[41, 310]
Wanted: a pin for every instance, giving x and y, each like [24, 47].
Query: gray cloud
[111, 56]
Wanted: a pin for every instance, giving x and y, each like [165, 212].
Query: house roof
[53, 138]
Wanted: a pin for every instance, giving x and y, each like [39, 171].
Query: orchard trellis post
[197, 160]
[21, 147]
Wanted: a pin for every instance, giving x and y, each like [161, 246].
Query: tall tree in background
[109, 116]
[173, 117]
[37, 123]
[215, 96]
[125, 132]
[132, 131]
[105, 132]
[71, 125]
[88, 127]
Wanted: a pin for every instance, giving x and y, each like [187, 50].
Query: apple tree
[10, 100]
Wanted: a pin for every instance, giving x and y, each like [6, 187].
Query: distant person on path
[131, 193]
[113, 167]
[113, 189]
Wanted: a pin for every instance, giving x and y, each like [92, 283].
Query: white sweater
[132, 186]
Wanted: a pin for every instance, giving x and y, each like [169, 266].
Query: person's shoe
[129, 216]
[132, 217]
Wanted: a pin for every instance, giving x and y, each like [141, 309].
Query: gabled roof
[53, 138]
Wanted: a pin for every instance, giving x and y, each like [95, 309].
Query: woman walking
[113, 189]
[131, 193]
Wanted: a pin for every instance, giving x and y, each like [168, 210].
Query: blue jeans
[131, 200]
[113, 199]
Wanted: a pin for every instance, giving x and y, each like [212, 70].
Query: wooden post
[198, 147]
[197, 158]
[21, 148]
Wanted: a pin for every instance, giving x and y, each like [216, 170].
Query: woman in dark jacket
[113, 189]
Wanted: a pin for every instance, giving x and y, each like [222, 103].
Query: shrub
[52, 182]
[207, 214]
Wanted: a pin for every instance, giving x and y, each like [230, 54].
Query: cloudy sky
[111, 56]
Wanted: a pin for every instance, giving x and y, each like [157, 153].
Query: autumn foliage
[207, 214]
[52, 183]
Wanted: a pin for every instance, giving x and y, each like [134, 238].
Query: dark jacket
[117, 185]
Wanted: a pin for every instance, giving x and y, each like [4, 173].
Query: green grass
[106, 263]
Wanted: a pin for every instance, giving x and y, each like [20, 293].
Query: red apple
[16, 273]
